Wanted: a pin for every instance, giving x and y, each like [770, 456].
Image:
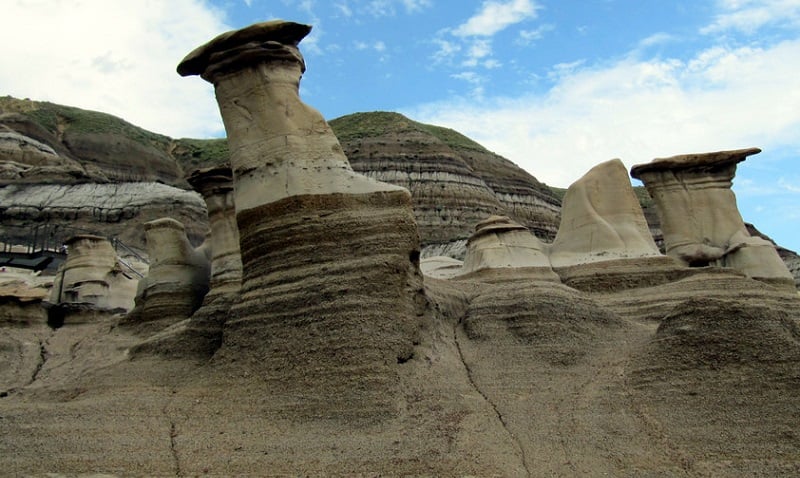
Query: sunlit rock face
[91, 277]
[331, 289]
[176, 282]
[500, 243]
[699, 216]
[601, 220]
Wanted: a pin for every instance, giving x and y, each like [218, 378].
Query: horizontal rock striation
[327, 308]
[331, 290]
[176, 282]
[112, 209]
[720, 375]
[454, 181]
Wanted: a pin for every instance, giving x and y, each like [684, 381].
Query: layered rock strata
[449, 177]
[500, 243]
[201, 334]
[93, 278]
[177, 280]
[699, 216]
[331, 290]
[113, 210]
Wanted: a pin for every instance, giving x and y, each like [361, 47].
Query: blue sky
[556, 86]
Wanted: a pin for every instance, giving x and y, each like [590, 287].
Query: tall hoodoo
[331, 291]
[699, 216]
[216, 187]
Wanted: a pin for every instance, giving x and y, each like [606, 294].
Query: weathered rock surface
[601, 220]
[92, 277]
[201, 334]
[176, 282]
[331, 289]
[337, 363]
[455, 182]
[113, 209]
[699, 216]
[500, 243]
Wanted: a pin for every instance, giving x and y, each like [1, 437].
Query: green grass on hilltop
[200, 153]
[378, 123]
[59, 118]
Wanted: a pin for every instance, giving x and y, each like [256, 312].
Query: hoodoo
[699, 216]
[331, 289]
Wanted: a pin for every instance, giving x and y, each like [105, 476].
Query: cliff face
[455, 182]
[89, 170]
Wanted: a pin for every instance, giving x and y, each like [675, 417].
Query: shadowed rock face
[331, 290]
[699, 216]
[176, 282]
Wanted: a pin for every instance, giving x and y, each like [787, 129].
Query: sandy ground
[699, 377]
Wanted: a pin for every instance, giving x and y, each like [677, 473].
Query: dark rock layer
[330, 303]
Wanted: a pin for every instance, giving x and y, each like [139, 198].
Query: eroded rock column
[500, 243]
[216, 187]
[91, 279]
[177, 280]
[331, 290]
[699, 216]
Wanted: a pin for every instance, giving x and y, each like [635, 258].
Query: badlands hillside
[376, 297]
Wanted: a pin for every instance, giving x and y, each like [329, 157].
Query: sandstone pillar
[601, 220]
[90, 278]
[331, 290]
[176, 282]
[699, 216]
[500, 243]
[216, 187]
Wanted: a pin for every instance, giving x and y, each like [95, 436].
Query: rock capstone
[331, 289]
[699, 217]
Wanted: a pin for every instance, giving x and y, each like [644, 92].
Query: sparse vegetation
[378, 123]
[200, 153]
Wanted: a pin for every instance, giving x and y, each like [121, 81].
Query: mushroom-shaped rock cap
[699, 161]
[496, 224]
[266, 34]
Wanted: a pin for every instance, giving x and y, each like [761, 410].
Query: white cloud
[526, 37]
[389, 8]
[109, 55]
[344, 9]
[416, 5]
[748, 16]
[790, 186]
[637, 110]
[495, 16]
